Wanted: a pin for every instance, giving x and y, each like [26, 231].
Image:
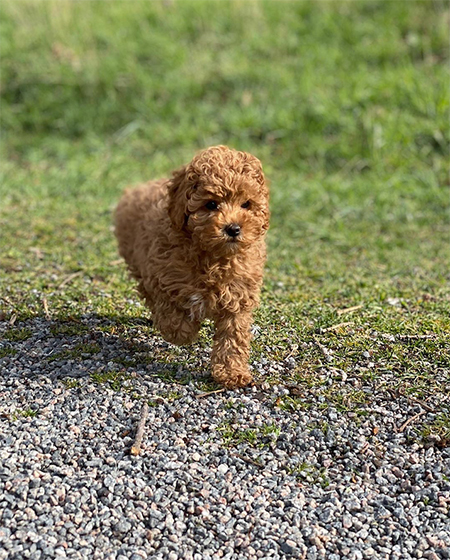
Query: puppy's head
[220, 200]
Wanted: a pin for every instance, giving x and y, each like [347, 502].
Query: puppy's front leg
[231, 349]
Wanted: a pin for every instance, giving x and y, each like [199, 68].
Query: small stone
[327, 515]
[287, 548]
[347, 521]
[122, 527]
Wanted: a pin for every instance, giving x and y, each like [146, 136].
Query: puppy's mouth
[233, 244]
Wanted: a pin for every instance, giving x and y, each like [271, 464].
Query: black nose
[233, 230]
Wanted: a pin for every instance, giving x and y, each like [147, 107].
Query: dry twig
[415, 336]
[200, 395]
[6, 300]
[420, 402]
[408, 422]
[349, 309]
[136, 447]
[69, 279]
[248, 460]
[45, 306]
[423, 404]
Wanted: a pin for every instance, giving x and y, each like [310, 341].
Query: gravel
[226, 475]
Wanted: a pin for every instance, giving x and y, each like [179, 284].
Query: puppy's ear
[256, 172]
[253, 167]
[180, 187]
[264, 208]
[266, 216]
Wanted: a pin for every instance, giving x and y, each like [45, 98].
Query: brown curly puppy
[195, 243]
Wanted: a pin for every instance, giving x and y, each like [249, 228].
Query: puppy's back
[134, 207]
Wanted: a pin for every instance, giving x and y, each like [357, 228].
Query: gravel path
[226, 475]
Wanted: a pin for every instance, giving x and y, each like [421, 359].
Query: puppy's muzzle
[233, 230]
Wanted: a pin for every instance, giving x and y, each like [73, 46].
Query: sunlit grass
[345, 103]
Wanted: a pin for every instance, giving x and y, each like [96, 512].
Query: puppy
[196, 245]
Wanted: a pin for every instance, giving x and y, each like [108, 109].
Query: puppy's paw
[232, 377]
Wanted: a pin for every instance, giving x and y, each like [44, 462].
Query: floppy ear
[180, 188]
[256, 172]
[265, 210]
[266, 216]
[252, 166]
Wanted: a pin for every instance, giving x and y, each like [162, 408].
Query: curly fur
[187, 266]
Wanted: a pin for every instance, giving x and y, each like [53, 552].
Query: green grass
[17, 335]
[345, 103]
[66, 329]
[310, 473]
[70, 383]
[259, 437]
[25, 413]
[5, 352]
[438, 429]
[78, 352]
[116, 380]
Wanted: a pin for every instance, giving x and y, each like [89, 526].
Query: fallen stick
[408, 422]
[136, 447]
[45, 306]
[349, 309]
[6, 300]
[415, 336]
[201, 395]
[248, 460]
[69, 279]
[423, 404]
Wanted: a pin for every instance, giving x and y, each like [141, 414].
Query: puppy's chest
[209, 299]
[197, 306]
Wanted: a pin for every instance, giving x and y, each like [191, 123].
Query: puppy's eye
[211, 205]
[246, 204]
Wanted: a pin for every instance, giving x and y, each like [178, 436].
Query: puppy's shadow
[101, 347]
